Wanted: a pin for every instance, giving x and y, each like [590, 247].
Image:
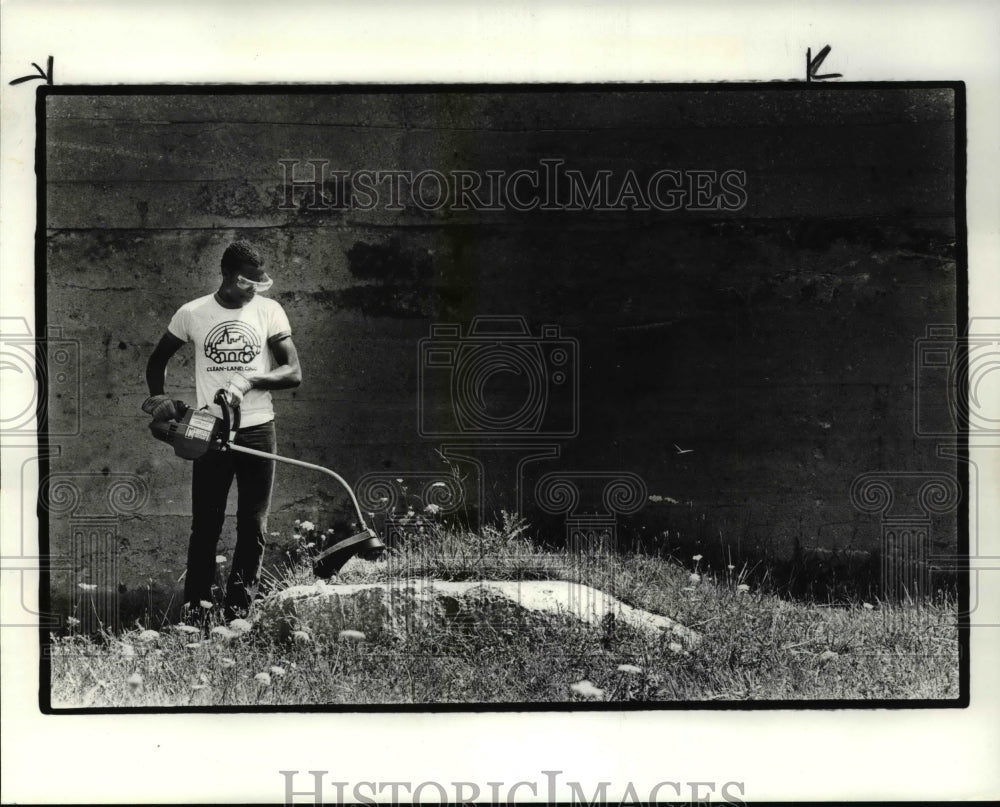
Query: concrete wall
[777, 341]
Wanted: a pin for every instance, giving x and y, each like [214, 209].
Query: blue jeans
[213, 476]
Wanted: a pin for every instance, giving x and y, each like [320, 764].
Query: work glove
[161, 407]
[239, 385]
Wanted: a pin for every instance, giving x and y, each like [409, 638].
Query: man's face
[235, 289]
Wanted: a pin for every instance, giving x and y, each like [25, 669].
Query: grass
[755, 645]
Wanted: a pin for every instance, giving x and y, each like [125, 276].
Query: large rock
[325, 610]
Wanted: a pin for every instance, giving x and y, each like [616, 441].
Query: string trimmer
[199, 431]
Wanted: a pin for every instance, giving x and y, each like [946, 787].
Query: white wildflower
[278, 671]
[629, 668]
[695, 578]
[262, 678]
[187, 628]
[240, 625]
[352, 635]
[149, 636]
[586, 689]
[432, 509]
[223, 632]
[205, 604]
[307, 526]
[675, 647]
[743, 588]
[301, 636]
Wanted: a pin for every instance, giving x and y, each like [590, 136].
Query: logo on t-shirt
[232, 341]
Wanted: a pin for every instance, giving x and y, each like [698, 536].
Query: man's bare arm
[288, 373]
[156, 367]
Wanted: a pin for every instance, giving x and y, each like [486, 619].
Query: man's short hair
[238, 254]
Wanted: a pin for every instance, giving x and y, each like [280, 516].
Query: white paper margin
[918, 754]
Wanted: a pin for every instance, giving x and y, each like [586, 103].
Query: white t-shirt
[231, 340]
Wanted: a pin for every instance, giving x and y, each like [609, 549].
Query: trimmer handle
[230, 415]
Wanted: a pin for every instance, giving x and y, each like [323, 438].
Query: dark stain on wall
[393, 282]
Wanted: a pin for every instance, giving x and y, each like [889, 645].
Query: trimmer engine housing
[194, 435]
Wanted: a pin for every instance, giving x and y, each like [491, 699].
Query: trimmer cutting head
[330, 561]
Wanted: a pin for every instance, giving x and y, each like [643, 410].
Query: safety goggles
[257, 285]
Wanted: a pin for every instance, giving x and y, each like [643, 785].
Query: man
[243, 345]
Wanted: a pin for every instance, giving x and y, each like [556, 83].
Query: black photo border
[41, 323]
